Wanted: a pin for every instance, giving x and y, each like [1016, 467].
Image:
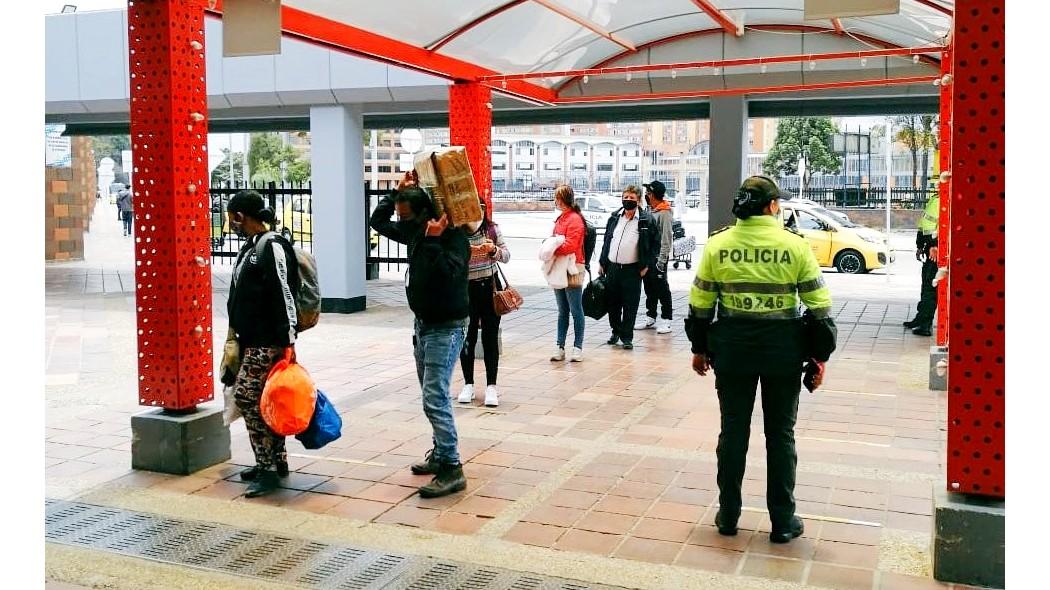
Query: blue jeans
[570, 300]
[437, 348]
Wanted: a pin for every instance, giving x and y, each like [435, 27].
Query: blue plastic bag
[325, 426]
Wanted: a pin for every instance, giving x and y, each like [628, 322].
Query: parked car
[836, 214]
[596, 209]
[297, 220]
[851, 249]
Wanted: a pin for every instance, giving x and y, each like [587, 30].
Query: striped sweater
[484, 266]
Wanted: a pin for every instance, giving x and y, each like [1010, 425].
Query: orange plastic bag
[288, 399]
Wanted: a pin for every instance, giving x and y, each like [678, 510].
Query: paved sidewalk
[602, 470]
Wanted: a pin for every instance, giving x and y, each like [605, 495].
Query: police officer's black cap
[657, 188]
[762, 189]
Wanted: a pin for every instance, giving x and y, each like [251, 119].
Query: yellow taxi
[836, 241]
[297, 222]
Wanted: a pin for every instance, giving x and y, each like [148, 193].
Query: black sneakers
[628, 346]
[909, 324]
[250, 473]
[428, 466]
[922, 331]
[795, 529]
[264, 482]
[612, 340]
[448, 479]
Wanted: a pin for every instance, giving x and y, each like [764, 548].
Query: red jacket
[570, 225]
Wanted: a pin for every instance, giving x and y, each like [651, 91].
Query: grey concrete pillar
[339, 212]
[728, 157]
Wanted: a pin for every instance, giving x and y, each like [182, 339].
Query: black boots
[612, 340]
[795, 529]
[428, 466]
[922, 331]
[910, 324]
[448, 479]
[250, 473]
[264, 482]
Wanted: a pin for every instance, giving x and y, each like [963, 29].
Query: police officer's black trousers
[927, 296]
[624, 291]
[657, 291]
[736, 398]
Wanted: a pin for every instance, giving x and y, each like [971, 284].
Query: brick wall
[69, 200]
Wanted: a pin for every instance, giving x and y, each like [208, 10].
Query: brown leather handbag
[507, 298]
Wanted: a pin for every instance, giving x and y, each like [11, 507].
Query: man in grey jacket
[657, 290]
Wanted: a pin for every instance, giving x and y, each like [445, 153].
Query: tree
[928, 139]
[802, 138]
[221, 174]
[269, 160]
[110, 146]
[907, 133]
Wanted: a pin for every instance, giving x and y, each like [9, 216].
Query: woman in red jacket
[569, 224]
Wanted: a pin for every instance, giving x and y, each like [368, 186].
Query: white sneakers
[491, 396]
[644, 323]
[467, 395]
[559, 354]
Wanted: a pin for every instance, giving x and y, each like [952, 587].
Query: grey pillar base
[180, 444]
[969, 539]
[347, 305]
[938, 382]
[479, 350]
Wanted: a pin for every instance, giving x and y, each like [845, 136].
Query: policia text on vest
[764, 256]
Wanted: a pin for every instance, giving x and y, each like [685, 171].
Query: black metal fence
[864, 197]
[381, 250]
[292, 205]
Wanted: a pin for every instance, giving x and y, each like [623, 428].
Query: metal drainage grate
[286, 560]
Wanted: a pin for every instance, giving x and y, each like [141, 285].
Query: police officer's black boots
[265, 482]
[448, 479]
[795, 529]
[428, 466]
[250, 473]
[910, 324]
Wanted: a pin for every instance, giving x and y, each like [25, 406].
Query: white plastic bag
[230, 411]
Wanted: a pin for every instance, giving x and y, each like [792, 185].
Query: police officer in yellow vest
[744, 322]
[926, 251]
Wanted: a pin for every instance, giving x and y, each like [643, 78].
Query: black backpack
[590, 239]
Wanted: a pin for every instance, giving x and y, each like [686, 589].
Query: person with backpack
[572, 226]
[487, 248]
[264, 320]
[126, 209]
[628, 254]
[657, 290]
[438, 261]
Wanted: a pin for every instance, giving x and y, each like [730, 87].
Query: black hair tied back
[745, 204]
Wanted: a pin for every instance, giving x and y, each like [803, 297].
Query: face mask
[630, 205]
[409, 226]
[238, 228]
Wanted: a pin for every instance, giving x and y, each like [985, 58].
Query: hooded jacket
[261, 304]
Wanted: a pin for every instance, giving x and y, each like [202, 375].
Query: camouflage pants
[255, 366]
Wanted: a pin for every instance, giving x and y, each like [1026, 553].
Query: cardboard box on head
[446, 174]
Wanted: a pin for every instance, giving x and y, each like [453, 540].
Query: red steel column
[470, 125]
[944, 189]
[169, 142]
[976, 305]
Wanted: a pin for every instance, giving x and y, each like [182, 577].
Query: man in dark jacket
[628, 253]
[439, 257]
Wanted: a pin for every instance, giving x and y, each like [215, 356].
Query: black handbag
[596, 298]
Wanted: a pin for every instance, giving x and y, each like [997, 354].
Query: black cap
[657, 188]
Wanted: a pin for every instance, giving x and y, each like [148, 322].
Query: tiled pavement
[612, 457]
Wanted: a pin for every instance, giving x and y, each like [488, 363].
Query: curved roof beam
[456, 33]
[766, 27]
[938, 7]
[587, 24]
[729, 25]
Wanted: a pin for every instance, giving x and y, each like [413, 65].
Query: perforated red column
[169, 137]
[470, 125]
[976, 306]
[944, 190]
